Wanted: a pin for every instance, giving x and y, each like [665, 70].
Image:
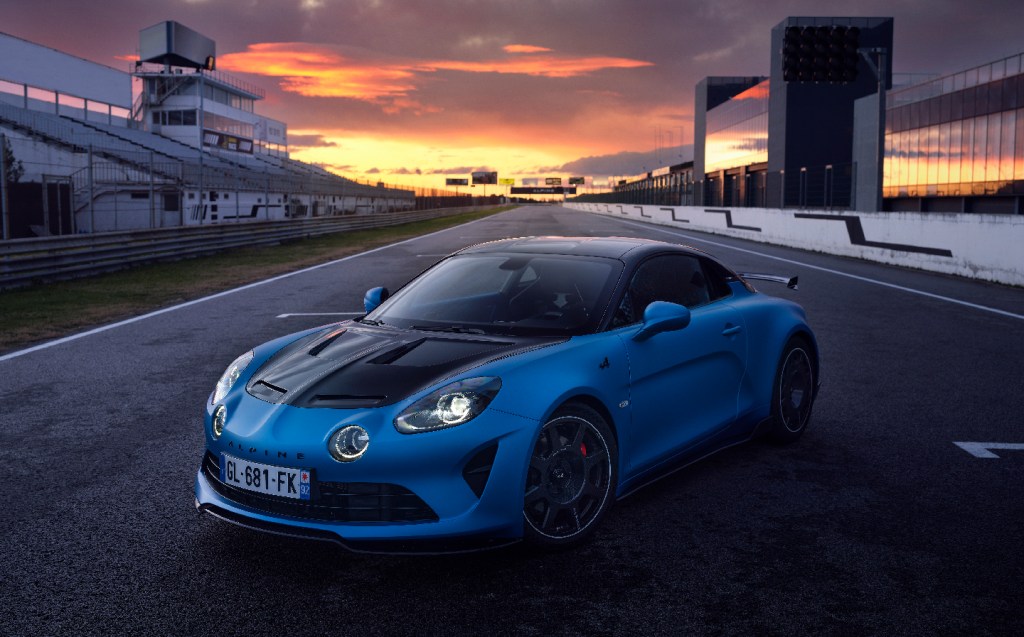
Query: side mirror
[662, 316]
[373, 298]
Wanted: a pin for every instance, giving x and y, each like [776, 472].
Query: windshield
[505, 294]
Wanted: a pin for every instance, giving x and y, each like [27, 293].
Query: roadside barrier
[973, 245]
[41, 259]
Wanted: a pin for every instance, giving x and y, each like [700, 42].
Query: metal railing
[36, 260]
[211, 170]
[157, 70]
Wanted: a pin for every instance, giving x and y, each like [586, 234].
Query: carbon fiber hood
[358, 366]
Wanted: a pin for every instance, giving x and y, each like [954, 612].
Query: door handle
[730, 330]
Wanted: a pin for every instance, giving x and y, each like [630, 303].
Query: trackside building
[833, 152]
[173, 142]
[809, 134]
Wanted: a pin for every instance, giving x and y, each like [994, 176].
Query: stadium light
[820, 54]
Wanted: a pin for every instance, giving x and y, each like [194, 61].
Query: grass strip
[52, 310]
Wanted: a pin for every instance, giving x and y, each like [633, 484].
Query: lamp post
[3, 188]
[202, 206]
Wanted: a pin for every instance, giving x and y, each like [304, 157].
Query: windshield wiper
[457, 329]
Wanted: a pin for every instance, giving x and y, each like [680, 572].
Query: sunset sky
[410, 92]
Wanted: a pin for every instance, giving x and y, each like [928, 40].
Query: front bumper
[449, 490]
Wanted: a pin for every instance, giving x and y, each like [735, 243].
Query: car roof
[623, 248]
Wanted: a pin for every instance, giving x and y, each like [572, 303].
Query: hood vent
[266, 391]
[396, 353]
[322, 345]
[431, 352]
[340, 401]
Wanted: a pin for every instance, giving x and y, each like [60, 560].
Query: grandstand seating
[144, 151]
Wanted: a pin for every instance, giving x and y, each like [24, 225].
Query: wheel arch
[803, 333]
[588, 400]
[597, 405]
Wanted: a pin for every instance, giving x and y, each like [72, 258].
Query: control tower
[183, 97]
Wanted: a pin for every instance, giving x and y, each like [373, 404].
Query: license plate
[265, 478]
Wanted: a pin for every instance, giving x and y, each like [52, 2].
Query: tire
[793, 392]
[571, 479]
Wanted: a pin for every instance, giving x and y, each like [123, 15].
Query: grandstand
[95, 160]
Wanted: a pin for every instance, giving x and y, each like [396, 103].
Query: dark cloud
[373, 171]
[406, 171]
[309, 141]
[599, 114]
[458, 170]
[339, 168]
[624, 163]
[685, 38]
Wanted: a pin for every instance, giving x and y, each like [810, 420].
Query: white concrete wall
[39, 158]
[980, 246]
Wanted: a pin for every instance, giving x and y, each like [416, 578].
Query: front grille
[330, 501]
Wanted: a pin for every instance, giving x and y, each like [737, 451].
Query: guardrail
[36, 260]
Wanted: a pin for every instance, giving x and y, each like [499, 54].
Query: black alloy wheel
[793, 394]
[571, 479]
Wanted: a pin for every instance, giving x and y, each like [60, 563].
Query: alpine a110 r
[511, 391]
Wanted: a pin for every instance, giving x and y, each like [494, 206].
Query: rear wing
[790, 281]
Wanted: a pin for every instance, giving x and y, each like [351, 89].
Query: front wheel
[571, 480]
[793, 393]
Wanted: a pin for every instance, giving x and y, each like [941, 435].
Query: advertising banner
[577, 181]
[227, 142]
[507, 181]
[553, 181]
[456, 182]
[541, 190]
[484, 178]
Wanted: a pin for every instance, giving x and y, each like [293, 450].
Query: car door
[683, 383]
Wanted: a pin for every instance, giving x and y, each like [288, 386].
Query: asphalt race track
[875, 522]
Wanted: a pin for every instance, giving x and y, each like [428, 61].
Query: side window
[717, 279]
[675, 278]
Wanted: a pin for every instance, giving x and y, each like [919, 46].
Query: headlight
[230, 375]
[348, 443]
[452, 405]
[219, 418]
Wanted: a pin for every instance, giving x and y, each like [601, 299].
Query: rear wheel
[793, 393]
[571, 479]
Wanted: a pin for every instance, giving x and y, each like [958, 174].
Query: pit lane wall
[978, 246]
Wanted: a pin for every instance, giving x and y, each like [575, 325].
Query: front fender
[536, 383]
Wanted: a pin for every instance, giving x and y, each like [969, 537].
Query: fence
[116, 170]
[27, 261]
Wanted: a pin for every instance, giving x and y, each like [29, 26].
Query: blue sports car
[511, 391]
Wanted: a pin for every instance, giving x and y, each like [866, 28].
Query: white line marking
[136, 319]
[981, 449]
[829, 270]
[320, 314]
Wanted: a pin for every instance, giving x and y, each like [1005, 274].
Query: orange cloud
[539, 65]
[399, 104]
[315, 71]
[524, 48]
[324, 71]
